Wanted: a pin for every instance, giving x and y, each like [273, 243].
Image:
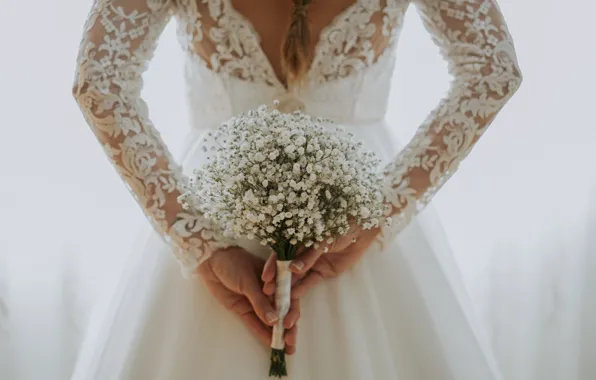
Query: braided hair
[296, 52]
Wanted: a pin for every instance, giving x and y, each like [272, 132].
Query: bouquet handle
[283, 281]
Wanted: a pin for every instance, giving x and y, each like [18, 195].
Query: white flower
[273, 155]
[273, 176]
[259, 157]
[364, 212]
[300, 140]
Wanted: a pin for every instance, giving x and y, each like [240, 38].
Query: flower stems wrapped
[289, 180]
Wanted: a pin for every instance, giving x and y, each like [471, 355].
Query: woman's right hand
[313, 265]
[233, 276]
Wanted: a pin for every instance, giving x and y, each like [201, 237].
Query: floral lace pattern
[474, 40]
[354, 40]
[223, 39]
[120, 37]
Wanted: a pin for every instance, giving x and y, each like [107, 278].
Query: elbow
[509, 77]
[513, 71]
[86, 93]
[516, 81]
[77, 92]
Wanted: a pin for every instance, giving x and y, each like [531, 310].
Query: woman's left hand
[313, 265]
[232, 276]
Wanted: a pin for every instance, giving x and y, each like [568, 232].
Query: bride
[391, 305]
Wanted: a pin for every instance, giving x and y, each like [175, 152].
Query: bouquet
[292, 182]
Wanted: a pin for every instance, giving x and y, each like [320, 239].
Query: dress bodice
[348, 80]
[359, 98]
[228, 72]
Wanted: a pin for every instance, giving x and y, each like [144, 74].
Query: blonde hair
[296, 52]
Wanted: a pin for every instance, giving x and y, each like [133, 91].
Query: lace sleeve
[474, 39]
[119, 40]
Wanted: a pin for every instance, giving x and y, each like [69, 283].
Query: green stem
[284, 251]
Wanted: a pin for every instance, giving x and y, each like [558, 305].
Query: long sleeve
[474, 40]
[119, 40]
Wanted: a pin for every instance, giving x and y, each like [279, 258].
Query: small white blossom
[286, 178]
[364, 212]
[273, 155]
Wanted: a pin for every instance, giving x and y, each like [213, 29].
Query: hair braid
[296, 53]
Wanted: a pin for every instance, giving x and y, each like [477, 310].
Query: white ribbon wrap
[283, 282]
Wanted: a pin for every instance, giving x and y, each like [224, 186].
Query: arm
[474, 40]
[119, 40]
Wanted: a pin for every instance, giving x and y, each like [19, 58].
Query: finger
[304, 262]
[293, 314]
[260, 330]
[297, 277]
[243, 308]
[260, 303]
[269, 288]
[308, 282]
[269, 269]
[291, 336]
[290, 350]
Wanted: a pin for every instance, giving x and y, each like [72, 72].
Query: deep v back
[269, 28]
[345, 37]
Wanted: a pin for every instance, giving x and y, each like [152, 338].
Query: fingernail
[297, 264]
[271, 317]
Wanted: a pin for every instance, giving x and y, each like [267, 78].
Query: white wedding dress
[402, 312]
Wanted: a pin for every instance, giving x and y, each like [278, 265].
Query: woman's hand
[233, 276]
[314, 265]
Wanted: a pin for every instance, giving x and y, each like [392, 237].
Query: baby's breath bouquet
[290, 181]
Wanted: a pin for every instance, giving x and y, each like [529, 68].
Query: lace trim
[345, 46]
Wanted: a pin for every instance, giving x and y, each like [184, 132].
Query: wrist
[214, 256]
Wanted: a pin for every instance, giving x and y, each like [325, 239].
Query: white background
[517, 213]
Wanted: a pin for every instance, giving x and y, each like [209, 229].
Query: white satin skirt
[402, 313]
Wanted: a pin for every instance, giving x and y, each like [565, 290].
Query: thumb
[260, 303]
